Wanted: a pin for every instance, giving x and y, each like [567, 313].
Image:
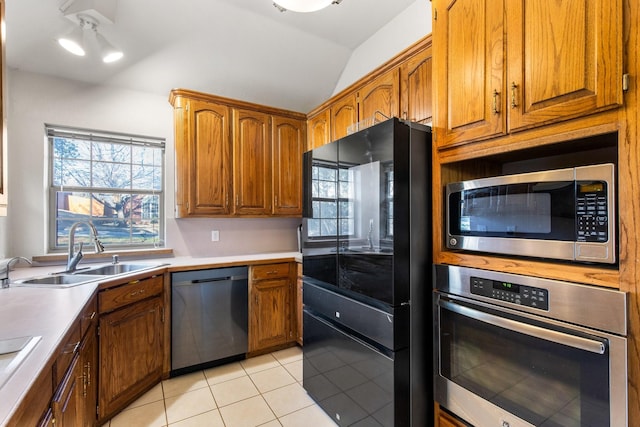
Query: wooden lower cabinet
[270, 294]
[66, 402]
[298, 307]
[64, 394]
[446, 419]
[131, 349]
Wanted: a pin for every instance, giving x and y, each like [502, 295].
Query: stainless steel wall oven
[513, 350]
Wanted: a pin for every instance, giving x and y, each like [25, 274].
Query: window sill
[124, 254]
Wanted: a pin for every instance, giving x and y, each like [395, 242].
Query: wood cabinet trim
[413, 49]
[177, 96]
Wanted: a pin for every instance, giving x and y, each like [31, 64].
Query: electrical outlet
[215, 235]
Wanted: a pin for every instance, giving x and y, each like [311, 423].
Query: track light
[79, 43]
[108, 52]
[73, 41]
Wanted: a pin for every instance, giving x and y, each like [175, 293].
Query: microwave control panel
[511, 292]
[591, 211]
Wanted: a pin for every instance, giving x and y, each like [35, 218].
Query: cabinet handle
[136, 293]
[494, 103]
[91, 316]
[237, 200]
[75, 346]
[276, 200]
[514, 86]
[272, 272]
[88, 366]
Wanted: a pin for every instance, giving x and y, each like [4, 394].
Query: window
[330, 195]
[114, 181]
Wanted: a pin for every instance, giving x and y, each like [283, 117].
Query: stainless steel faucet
[370, 235]
[5, 267]
[74, 258]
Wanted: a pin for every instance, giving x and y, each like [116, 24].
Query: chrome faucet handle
[115, 259]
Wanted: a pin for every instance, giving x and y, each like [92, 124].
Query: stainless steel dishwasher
[209, 317]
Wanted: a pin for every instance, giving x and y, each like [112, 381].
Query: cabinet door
[378, 99]
[89, 374]
[415, 83]
[344, 113]
[269, 313]
[299, 306]
[564, 59]
[251, 162]
[208, 166]
[131, 353]
[468, 52]
[67, 399]
[319, 130]
[287, 142]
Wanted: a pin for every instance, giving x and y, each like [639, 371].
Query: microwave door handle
[524, 328]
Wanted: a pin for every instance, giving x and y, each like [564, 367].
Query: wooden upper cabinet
[549, 61]
[564, 59]
[468, 51]
[319, 129]
[287, 144]
[251, 162]
[416, 87]
[344, 113]
[379, 99]
[232, 161]
[203, 159]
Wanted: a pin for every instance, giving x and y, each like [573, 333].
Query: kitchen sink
[84, 275]
[113, 269]
[56, 280]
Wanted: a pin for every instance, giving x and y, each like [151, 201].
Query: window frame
[55, 131]
[337, 200]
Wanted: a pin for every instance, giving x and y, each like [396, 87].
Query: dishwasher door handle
[210, 280]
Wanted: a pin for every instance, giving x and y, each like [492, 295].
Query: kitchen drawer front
[389, 329]
[88, 317]
[270, 271]
[66, 352]
[113, 298]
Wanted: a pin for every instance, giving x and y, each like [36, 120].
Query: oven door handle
[574, 341]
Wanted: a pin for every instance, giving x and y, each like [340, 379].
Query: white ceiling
[243, 49]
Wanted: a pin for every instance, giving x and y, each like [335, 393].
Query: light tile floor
[261, 391]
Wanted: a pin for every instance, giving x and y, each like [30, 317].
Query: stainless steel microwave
[564, 214]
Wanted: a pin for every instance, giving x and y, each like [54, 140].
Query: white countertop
[50, 312]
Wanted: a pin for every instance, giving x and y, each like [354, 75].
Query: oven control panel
[511, 292]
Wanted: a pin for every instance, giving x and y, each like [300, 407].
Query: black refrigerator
[366, 246]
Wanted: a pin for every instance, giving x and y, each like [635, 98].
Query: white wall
[401, 32]
[35, 99]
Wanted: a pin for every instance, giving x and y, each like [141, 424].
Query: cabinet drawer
[88, 316]
[66, 352]
[117, 297]
[269, 271]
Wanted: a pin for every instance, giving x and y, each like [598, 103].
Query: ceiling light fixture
[85, 39]
[303, 5]
[108, 53]
[73, 41]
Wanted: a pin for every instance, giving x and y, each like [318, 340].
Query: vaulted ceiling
[244, 49]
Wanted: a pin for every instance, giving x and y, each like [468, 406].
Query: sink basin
[59, 280]
[83, 275]
[13, 351]
[113, 269]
